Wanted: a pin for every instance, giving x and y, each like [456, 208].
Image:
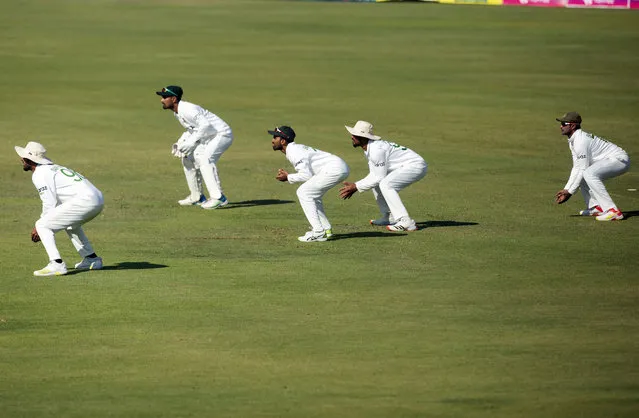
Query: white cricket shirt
[385, 157]
[57, 184]
[309, 161]
[587, 149]
[200, 124]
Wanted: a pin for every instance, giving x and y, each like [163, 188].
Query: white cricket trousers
[387, 192]
[311, 192]
[202, 166]
[69, 216]
[592, 187]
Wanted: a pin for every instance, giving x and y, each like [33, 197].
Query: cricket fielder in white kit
[200, 147]
[318, 170]
[68, 201]
[594, 160]
[392, 168]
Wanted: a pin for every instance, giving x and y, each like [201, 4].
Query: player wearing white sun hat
[392, 168]
[69, 200]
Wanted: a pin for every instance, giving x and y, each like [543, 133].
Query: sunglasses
[165, 90]
[565, 123]
[280, 134]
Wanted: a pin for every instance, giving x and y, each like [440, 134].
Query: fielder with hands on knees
[318, 170]
[594, 160]
[69, 200]
[199, 148]
[392, 168]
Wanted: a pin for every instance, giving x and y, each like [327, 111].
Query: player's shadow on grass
[134, 265]
[436, 224]
[263, 202]
[366, 234]
[127, 265]
[386, 234]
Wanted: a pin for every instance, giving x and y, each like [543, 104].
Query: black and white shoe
[404, 224]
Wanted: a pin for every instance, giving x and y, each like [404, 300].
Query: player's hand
[562, 196]
[347, 190]
[34, 235]
[282, 175]
[175, 151]
[186, 149]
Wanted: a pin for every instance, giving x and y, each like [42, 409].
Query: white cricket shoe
[311, 236]
[52, 269]
[383, 221]
[94, 263]
[404, 224]
[593, 211]
[190, 202]
[215, 203]
[611, 215]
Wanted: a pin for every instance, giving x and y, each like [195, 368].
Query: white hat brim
[355, 132]
[23, 153]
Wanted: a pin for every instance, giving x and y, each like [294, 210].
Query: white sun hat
[35, 152]
[362, 128]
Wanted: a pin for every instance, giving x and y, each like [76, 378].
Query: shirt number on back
[72, 174]
[394, 145]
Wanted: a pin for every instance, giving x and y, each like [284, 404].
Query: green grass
[505, 305]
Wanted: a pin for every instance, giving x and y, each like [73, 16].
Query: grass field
[502, 305]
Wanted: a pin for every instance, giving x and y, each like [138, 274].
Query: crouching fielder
[68, 201]
[594, 160]
[318, 170]
[392, 168]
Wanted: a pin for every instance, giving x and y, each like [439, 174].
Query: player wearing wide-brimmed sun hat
[69, 200]
[594, 160]
[392, 168]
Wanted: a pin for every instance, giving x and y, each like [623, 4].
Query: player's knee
[304, 195]
[301, 194]
[589, 176]
[200, 161]
[386, 185]
[41, 225]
